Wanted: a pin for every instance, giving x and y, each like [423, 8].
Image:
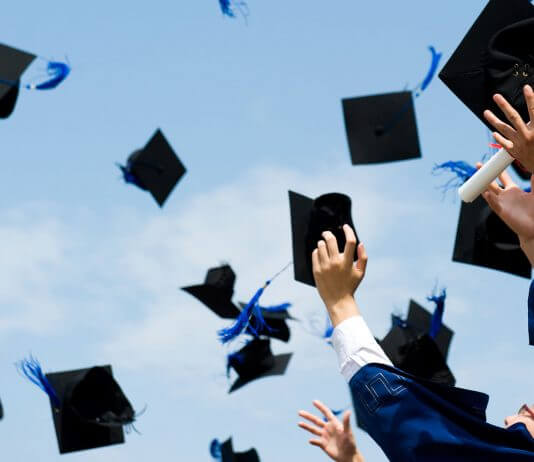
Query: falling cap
[483, 239]
[276, 322]
[381, 128]
[155, 168]
[217, 292]
[256, 360]
[13, 63]
[93, 409]
[225, 452]
[309, 219]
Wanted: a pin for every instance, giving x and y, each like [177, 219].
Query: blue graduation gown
[531, 314]
[416, 420]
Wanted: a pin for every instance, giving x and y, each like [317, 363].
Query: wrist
[358, 457]
[527, 245]
[342, 309]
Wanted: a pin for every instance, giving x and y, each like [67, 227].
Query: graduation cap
[420, 344]
[381, 128]
[155, 168]
[495, 57]
[88, 406]
[217, 292]
[225, 452]
[483, 239]
[276, 322]
[1, 411]
[254, 361]
[13, 63]
[309, 219]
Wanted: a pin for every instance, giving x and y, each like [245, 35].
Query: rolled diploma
[480, 181]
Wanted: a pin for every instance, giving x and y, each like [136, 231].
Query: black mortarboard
[381, 128]
[494, 57]
[417, 354]
[420, 320]
[1, 411]
[225, 452]
[256, 360]
[217, 292]
[93, 409]
[155, 168]
[13, 63]
[483, 239]
[276, 322]
[309, 219]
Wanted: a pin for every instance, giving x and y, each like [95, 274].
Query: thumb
[346, 422]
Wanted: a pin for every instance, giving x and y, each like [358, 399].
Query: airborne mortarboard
[381, 128]
[254, 361]
[495, 57]
[217, 292]
[309, 219]
[483, 239]
[276, 323]
[13, 63]
[225, 452]
[155, 168]
[88, 406]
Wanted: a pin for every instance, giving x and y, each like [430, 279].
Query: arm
[335, 438]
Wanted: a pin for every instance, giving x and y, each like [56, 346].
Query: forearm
[342, 309]
[528, 249]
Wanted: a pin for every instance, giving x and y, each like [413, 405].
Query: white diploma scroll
[480, 181]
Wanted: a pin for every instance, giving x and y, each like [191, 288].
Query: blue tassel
[236, 357]
[57, 71]
[276, 308]
[461, 169]
[215, 449]
[337, 413]
[33, 372]
[436, 57]
[437, 316]
[128, 176]
[227, 8]
[251, 310]
[397, 321]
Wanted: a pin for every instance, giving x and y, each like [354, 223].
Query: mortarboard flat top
[93, 409]
[420, 320]
[483, 239]
[417, 354]
[13, 63]
[276, 322]
[156, 167]
[256, 360]
[228, 454]
[494, 57]
[217, 292]
[309, 219]
[381, 128]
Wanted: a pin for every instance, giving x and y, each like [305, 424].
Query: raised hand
[337, 276]
[334, 437]
[517, 137]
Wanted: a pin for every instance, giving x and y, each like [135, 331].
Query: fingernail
[528, 87]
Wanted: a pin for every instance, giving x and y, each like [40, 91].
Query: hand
[334, 438]
[337, 276]
[517, 139]
[516, 208]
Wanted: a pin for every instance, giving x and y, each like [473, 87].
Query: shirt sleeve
[355, 347]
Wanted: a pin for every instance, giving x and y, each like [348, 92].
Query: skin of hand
[337, 276]
[517, 137]
[516, 208]
[334, 437]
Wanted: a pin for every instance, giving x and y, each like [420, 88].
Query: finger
[323, 253]
[312, 418]
[331, 244]
[505, 143]
[493, 186]
[318, 443]
[313, 430]
[361, 264]
[478, 165]
[324, 410]
[315, 260]
[498, 124]
[346, 422]
[529, 98]
[511, 114]
[350, 243]
[506, 179]
[492, 201]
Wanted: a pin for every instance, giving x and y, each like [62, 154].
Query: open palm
[333, 436]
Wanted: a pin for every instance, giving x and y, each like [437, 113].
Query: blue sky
[91, 267]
